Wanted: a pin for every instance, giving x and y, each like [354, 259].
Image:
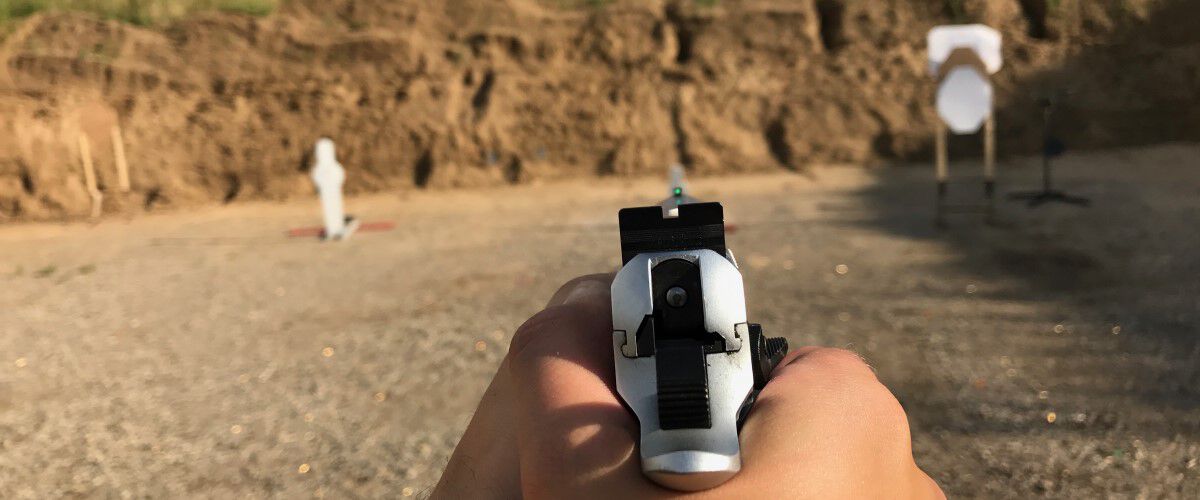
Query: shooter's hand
[551, 424]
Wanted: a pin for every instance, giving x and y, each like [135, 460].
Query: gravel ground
[204, 354]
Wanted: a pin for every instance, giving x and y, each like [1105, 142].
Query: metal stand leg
[1050, 147]
[942, 172]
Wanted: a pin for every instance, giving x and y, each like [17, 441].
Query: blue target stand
[1052, 147]
[962, 59]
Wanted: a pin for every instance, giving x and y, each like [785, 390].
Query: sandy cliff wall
[432, 94]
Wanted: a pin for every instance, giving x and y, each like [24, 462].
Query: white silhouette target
[676, 179]
[329, 176]
[676, 191]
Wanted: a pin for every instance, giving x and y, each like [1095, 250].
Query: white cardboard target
[329, 176]
[964, 95]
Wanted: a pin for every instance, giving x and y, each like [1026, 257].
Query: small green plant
[249, 7]
[706, 3]
[45, 271]
[577, 4]
[20, 8]
[87, 269]
[139, 12]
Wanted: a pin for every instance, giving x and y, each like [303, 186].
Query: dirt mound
[218, 108]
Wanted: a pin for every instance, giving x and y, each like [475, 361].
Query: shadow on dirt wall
[1120, 262]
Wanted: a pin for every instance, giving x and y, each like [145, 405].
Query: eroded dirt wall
[435, 94]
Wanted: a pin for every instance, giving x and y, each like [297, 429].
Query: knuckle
[883, 417]
[529, 331]
[537, 328]
[571, 285]
[844, 382]
[578, 282]
[840, 361]
[845, 374]
[885, 409]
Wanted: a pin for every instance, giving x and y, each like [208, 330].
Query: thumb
[573, 433]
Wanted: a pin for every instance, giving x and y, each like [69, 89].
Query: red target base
[319, 232]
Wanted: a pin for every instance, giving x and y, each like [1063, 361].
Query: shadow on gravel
[1125, 262]
[1096, 311]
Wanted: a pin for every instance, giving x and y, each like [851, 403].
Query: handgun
[688, 363]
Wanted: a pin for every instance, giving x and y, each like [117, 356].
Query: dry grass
[141, 12]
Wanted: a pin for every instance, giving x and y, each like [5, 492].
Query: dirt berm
[433, 94]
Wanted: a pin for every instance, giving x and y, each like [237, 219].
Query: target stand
[988, 207]
[1051, 147]
[961, 60]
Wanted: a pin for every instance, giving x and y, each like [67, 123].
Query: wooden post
[942, 170]
[119, 157]
[989, 149]
[989, 163]
[89, 174]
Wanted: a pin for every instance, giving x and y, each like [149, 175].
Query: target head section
[327, 173]
[984, 41]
